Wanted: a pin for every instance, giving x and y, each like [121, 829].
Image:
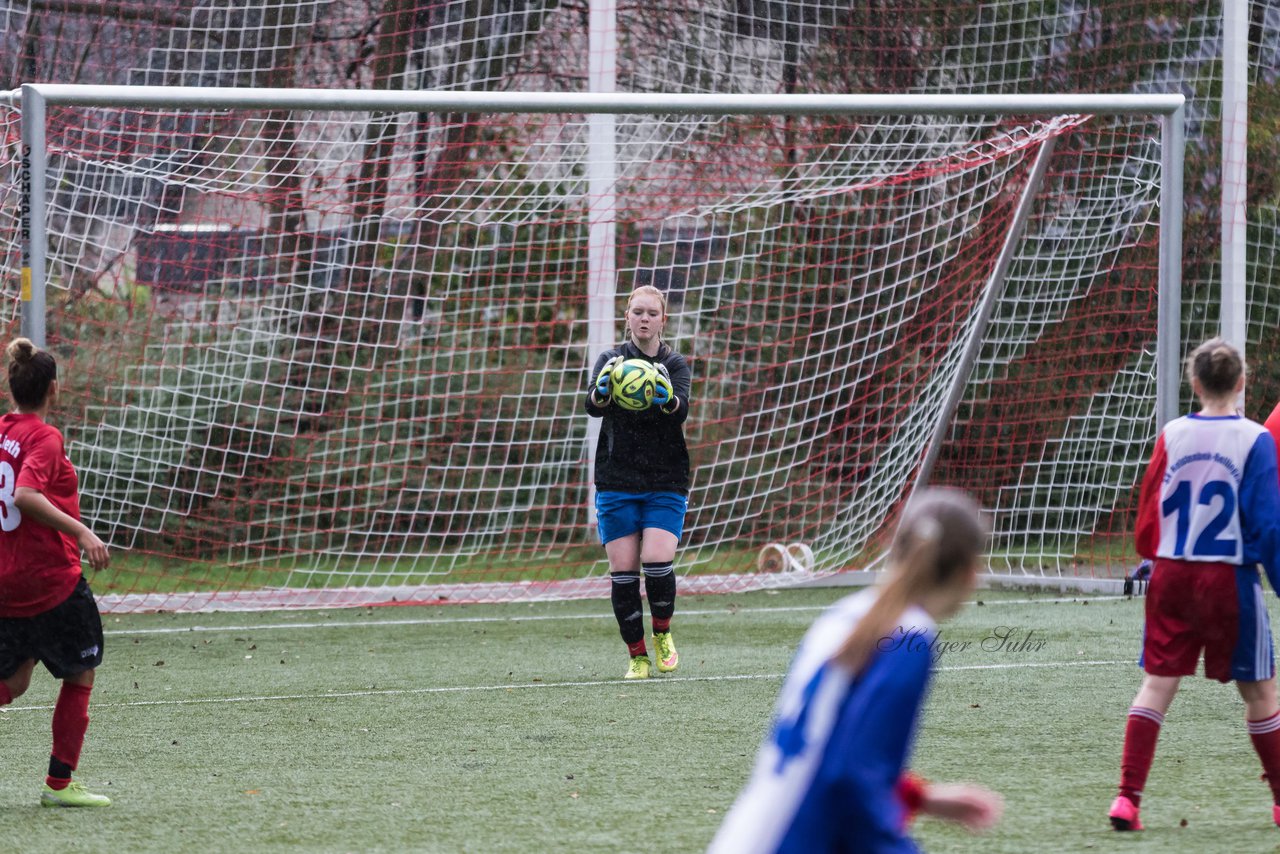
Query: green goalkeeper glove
[604, 381]
[664, 394]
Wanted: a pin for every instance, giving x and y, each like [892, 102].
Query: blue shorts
[621, 514]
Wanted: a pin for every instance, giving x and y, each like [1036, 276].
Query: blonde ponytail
[903, 587]
[941, 534]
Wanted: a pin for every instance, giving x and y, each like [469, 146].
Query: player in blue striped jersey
[831, 775]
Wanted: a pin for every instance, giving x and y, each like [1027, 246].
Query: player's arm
[972, 806]
[34, 505]
[679, 377]
[1260, 508]
[598, 397]
[1147, 530]
[911, 790]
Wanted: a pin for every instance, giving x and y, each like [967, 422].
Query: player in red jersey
[47, 612]
[1208, 514]
[1273, 426]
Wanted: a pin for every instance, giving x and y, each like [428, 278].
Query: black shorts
[66, 639]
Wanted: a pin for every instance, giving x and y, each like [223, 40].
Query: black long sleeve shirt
[643, 451]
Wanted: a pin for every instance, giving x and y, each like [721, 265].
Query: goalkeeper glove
[664, 395]
[604, 381]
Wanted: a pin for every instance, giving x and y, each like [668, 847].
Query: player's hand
[663, 392]
[604, 379]
[974, 807]
[94, 549]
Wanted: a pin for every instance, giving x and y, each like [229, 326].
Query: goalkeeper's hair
[31, 372]
[942, 533]
[1217, 365]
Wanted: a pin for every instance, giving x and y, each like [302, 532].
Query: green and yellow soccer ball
[633, 382]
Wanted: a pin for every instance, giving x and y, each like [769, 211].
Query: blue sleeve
[1260, 509]
[870, 745]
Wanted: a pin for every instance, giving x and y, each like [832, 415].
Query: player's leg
[1141, 731]
[72, 655]
[1262, 718]
[663, 522]
[1170, 650]
[1245, 655]
[15, 685]
[618, 522]
[624, 591]
[17, 661]
[657, 562]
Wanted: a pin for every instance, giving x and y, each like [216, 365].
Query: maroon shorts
[1216, 608]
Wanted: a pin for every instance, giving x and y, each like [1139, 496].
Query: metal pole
[1235, 162]
[32, 215]
[600, 102]
[1169, 297]
[991, 293]
[602, 158]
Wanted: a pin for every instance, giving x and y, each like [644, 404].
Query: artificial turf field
[508, 728]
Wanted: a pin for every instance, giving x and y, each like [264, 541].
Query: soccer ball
[633, 384]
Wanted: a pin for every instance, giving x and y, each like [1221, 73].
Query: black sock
[59, 770]
[625, 593]
[660, 587]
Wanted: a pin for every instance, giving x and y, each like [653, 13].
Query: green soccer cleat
[74, 795]
[665, 652]
[638, 668]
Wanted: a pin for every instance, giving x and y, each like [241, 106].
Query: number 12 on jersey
[1208, 540]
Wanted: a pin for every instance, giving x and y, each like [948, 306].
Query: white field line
[533, 618]
[523, 686]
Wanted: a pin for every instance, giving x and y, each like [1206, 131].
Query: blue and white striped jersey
[825, 778]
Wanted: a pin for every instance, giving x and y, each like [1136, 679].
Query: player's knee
[84, 678]
[1262, 692]
[18, 684]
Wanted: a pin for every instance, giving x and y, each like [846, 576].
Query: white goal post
[389, 447]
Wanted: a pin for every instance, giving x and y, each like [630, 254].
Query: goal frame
[34, 99]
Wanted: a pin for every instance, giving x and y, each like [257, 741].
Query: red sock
[1265, 735]
[1140, 735]
[637, 648]
[70, 722]
[660, 625]
[6, 697]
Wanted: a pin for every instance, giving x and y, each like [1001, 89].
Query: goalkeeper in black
[642, 482]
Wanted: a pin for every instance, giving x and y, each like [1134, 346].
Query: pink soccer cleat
[1124, 815]
[1275, 814]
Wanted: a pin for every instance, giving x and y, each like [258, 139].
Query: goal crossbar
[590, 102]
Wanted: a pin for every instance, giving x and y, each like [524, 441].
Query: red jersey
[1273, 424]
[39, 566]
